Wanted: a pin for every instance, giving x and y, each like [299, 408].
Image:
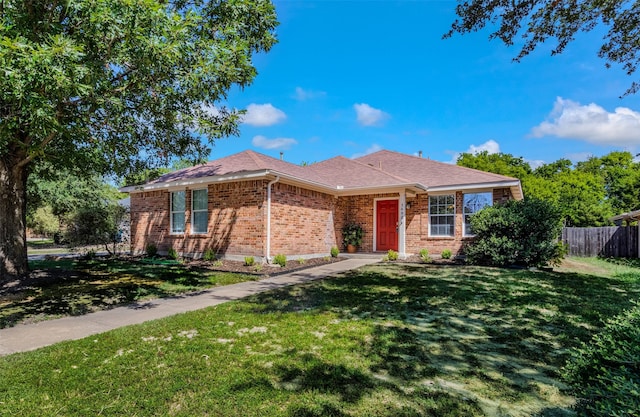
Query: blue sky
[351, 77]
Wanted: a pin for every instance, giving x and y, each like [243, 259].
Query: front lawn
[65, 287]
[384, 340]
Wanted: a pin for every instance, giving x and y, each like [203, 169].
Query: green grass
[69, 287]
[385, 340]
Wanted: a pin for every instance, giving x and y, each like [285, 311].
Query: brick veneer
[303, 222]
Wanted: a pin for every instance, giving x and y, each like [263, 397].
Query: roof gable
[428, 172]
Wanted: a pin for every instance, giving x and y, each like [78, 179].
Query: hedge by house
[523, 232]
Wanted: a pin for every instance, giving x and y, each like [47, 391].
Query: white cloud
[302, 94]
[369, 116]
[491, 146]
[535, 163]
[371, 149]
[263, 115]
[260, 141]
[591, 123]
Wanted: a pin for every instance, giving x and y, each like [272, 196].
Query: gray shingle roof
[380, 169]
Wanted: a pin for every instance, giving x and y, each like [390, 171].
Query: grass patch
[70, 287]
[384, 340]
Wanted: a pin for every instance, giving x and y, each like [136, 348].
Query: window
[473, 203]
[177, 211]
[199, 214]
[442, 210]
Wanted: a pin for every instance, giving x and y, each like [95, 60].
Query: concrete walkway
[33, 336]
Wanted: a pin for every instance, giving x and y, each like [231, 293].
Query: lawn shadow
[494, 335]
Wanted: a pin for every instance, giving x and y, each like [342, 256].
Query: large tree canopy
[114, 86]
[539, 21]
[587, 193]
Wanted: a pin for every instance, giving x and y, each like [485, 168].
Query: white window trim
[171, 231]
[464, 215]
[193, 212]
[451, 236]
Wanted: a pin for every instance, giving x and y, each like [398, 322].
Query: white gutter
[268, 251]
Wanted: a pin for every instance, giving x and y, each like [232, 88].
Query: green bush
[249, 260]
[172, 254]
[352, 234]
[302, 261]
[521, 232]
[424, 255]
[446, 254]
[605, 373]
[335, 251]
[280, 259]
[152, 250]
[392, 255]
[209, 255]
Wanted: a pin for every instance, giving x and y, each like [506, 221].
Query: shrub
[280, 259]
[392, 255]
[90, 254]
[301, 261]
[172, 254]
[218, 263]
[98, 224]
[209, 255]
[335, 251]
[424, 255]
[521, 232]
[352, 234]
[446, 254]
[152, 250]
[44, 222]
[605, 373]
[249, 260]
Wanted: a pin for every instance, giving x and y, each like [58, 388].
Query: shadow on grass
[493, 335]
[77, 287]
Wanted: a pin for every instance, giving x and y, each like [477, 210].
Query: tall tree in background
[114, 86]
[558, 20]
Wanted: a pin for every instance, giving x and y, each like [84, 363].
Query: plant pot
[351, 248]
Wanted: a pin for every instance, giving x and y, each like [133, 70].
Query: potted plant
[352, 236]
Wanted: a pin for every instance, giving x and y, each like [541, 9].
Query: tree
[498, 163]
[115, 86]
[559, 20]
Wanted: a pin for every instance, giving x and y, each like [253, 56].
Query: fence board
[614, 241]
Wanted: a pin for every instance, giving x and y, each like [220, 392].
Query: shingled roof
[380, 170]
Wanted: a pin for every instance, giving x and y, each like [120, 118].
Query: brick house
[249, 204]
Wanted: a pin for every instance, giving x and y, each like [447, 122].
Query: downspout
[268, 254]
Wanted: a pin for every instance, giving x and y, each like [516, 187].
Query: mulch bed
[259, 269]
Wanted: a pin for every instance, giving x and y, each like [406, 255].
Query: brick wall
[302, 221]
[237, 215]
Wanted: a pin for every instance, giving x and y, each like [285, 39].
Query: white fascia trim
[484, 185]
[397, 188]
[194, 181]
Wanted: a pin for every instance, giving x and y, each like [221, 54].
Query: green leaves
[517, 233]
[125, 80]
[605, 374]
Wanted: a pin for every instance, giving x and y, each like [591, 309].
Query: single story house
[250, 204]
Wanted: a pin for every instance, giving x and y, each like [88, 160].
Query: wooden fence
[615, 241]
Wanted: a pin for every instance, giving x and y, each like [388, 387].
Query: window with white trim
[473, 203]
[199, 213]
[442, 210]
[178, 205]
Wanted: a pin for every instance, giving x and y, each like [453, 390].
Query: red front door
[387, 225]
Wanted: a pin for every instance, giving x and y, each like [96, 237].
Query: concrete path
[33, 336]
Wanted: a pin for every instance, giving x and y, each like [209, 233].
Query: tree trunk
[13, 209]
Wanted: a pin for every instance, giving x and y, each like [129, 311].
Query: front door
[387, 225]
